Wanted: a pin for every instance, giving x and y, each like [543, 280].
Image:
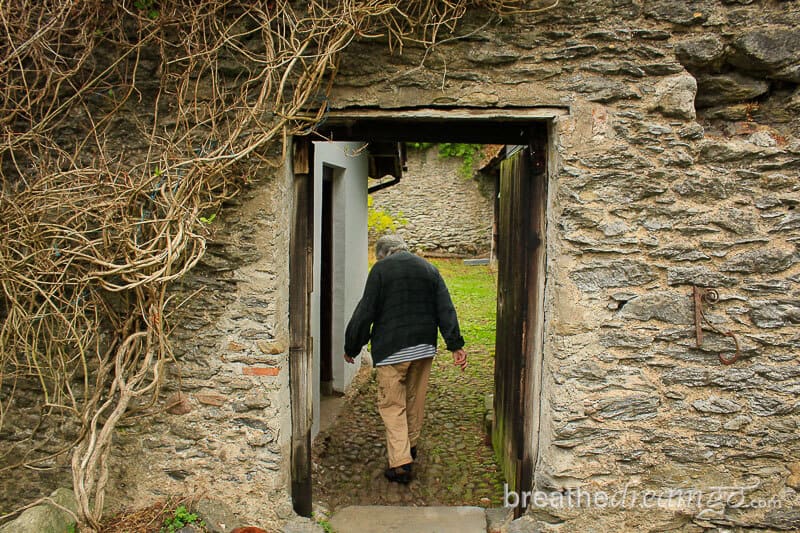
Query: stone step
[388, 519]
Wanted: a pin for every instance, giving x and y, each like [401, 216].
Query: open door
[340, 261]
[520, 259]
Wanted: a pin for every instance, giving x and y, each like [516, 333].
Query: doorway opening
[521, 229]
[328, 401]
[326, 286]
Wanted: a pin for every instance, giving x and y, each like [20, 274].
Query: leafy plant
[468, 153]
[380, 221]
[72, 528]
[420, 146]
[180, 518]
[324, 523]
[209, 219]
[148, 6]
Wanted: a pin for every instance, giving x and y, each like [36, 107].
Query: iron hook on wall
[710, 296]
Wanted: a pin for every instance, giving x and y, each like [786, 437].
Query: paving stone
[455, 466]
[302, 525]
[385, 519]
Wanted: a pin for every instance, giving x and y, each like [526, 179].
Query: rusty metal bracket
[710, 296]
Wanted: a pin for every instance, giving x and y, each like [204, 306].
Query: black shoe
[401, 474]
[414, 452]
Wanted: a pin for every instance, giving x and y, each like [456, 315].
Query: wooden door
[520, 260]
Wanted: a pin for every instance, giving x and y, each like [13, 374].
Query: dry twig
[122, 124]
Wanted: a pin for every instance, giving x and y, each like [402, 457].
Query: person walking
[405, 302]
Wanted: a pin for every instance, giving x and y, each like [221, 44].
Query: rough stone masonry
[677, 165]
[441, 210]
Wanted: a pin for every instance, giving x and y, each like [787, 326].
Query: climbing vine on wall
[95, 231]
[469, 154]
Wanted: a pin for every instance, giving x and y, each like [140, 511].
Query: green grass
[473, 289]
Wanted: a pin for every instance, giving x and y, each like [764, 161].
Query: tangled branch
[123, 123]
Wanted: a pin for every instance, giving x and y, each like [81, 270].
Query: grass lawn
[474, 293]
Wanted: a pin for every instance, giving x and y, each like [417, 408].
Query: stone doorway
[516, 386]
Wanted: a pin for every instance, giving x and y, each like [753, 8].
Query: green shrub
[380, 221]
[182, 517]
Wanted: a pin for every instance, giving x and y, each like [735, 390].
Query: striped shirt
[412, 353]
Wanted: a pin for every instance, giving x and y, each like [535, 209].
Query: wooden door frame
[301, 349]
[507, 126]
[537, 277]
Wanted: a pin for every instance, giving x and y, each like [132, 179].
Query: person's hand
[349, 359]
[460, 358]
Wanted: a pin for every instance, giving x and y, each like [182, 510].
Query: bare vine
[123, 123]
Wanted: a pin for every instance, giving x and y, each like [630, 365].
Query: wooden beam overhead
[479, 126]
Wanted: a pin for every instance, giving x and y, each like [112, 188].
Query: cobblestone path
[455, 465]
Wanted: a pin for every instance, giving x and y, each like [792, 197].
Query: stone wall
[445, 212]
[228, 436]
[25, 436]
[677, 165]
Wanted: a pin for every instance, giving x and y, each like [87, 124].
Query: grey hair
[389, 244]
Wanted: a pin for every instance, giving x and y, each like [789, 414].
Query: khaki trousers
[401, 404]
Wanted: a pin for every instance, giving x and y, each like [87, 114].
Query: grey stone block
[620, 273]
[721, 89]
[627, 408]
[775, 313]
[671, 307]
[783, 519]
[706, 52]
[761, 261]
[718, 405]
[45, 517]
[701, 276]
[678, 11]
[497, 518]
[675, 97]
[217, 515]
[766, 50]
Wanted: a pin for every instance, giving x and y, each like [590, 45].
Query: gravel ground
[455, 465]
